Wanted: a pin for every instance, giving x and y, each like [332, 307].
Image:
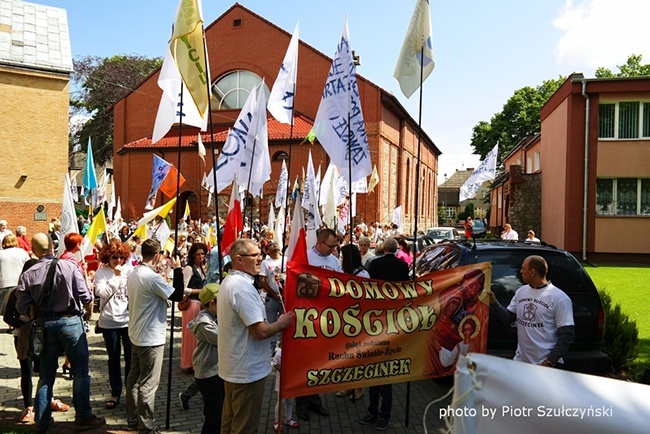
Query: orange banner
[351, 332]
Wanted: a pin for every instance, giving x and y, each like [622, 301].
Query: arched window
[231, 90]
[280, 155]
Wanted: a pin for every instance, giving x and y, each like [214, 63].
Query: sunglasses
[250, 255]
[118, 257]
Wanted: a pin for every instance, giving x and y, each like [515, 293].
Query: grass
[628, 287]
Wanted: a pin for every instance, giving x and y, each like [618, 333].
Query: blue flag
[90, 177]
[158, 173]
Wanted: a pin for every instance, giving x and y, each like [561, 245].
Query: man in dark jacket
[386, 267]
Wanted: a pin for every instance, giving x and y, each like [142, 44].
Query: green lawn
[628, 286]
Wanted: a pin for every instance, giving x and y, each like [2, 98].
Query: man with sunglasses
[321, 255]
[243, 340]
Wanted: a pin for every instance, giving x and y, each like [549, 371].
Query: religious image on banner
[353, 332]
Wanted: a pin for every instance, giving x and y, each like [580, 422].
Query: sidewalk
[344, 415]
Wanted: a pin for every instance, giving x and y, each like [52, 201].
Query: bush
[621, 339]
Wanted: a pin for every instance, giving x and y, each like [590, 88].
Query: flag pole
[171, 331]
[286, 202]
[248, 188]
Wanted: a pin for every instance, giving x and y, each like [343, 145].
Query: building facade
[589, 167]
[392, 133]
[35, 67]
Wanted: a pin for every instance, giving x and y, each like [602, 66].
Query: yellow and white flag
[415, 61]
[184, 74]
[97, 227]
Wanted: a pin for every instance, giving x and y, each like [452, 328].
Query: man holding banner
[319, 256]
[244, 352]
[388, 268]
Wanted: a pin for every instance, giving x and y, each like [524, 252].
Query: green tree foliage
[98, 84]
[518, 119]
[469, 210]
[621, 338]
[633, 68]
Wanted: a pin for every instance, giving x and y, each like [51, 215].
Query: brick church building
[391, 131]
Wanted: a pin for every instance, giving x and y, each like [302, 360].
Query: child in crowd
[287, 404]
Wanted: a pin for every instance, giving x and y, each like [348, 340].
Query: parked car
[423, 242]
[443, 234]
[565, 272]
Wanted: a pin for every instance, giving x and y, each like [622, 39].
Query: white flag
[255, 164]
[398, 217]
[271, 222]
[310, 203]
[231, 154]
[415, 61]
[201, 148]
[280, 223]
[329, 213]
[360, 185]
[73, 189]
[68, 215]
[281, 193]
[171, 83]
[329, 179]
[118, 211]
[486, 171]
[111, 199]
[101, 188]
[281, 98]
[318, 183]
[340, 105]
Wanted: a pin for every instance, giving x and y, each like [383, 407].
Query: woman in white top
[113, 322]
[12, 259]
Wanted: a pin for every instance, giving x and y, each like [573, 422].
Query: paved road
[344, 414]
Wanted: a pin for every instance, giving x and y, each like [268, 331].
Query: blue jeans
[64, 334]
[112, 338]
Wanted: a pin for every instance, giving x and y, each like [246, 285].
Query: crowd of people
[232, 313]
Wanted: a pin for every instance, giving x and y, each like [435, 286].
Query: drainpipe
[586, 170]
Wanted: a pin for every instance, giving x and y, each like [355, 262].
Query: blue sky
[484, 51]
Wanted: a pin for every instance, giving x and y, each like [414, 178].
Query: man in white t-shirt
[148, 293]
[271, 282]
[243, 346]
[319, 256]
[543, 313]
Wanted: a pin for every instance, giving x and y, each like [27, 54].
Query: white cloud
[602, 33]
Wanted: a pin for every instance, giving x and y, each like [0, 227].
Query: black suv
[564, 271]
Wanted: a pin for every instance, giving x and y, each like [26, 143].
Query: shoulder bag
[35, 327]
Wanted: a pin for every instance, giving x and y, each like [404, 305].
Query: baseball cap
[209, 292]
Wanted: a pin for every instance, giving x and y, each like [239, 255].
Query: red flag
[297, 249]
[169, 184]
[234, 220]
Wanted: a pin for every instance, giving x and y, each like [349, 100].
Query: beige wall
[622, 235]
[34, 141]
[553, 161]
[634, 165]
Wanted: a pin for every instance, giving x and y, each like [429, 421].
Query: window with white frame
[624, 120]
[536, 162]
[623, 196]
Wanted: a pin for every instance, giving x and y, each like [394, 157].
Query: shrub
[621, 339]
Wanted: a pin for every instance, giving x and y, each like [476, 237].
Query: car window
[478, 224]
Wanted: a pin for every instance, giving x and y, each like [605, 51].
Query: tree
[518, 119]
[632, 68]
[99, 83]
